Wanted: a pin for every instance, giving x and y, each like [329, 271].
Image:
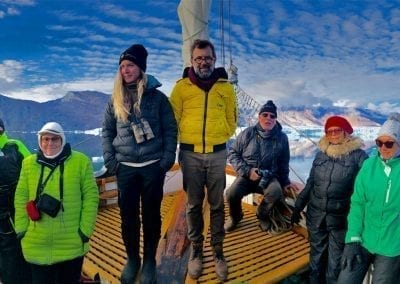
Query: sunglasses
[272, 116]
[334, 131]
[388, 144]
[52, 139]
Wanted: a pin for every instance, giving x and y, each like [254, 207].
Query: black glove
[352, 252]
[296, 216]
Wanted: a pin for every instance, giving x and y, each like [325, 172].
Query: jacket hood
[152, 82]
[3, 140]
[335, 151]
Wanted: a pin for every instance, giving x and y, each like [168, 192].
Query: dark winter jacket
[119, 144]
[330, 184]
[251, 150]
[12, 152]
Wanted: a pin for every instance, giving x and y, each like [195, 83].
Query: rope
[222, 27]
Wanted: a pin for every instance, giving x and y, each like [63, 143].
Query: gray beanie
[391, 127]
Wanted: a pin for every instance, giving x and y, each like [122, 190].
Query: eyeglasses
[52, 139]
[265, 114]
[388, 144]
[334, 131]
[207, 59]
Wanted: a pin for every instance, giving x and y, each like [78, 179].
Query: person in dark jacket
[13, 267]
[139, 146]
[259, 154]
[327, 196]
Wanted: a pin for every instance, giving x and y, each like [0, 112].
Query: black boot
[149, 271]
[130, 270]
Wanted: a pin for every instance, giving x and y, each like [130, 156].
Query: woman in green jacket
[373, 235]
[55, 208]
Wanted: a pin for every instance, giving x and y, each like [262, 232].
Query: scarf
[205, 84]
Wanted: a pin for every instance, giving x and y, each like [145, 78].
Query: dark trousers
[13, 267]
[244, 186]
[201, 172]
[67, 272]
[143, 184]
[386, 270]
[326, 247]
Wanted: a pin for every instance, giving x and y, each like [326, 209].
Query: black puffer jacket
[330, 184]
[251, 150]
[119, 144]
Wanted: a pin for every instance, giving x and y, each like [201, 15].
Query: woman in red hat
[327, 197]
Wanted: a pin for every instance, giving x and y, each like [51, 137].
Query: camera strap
[41, 185]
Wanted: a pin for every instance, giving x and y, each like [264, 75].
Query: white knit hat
[391, 127]
[55, 129]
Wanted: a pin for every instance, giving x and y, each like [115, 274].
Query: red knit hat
[338, 121]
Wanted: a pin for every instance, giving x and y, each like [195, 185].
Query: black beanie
[269, 106]
[1, 125]
[137, 54]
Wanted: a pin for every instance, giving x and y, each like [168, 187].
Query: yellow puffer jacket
[205, 119]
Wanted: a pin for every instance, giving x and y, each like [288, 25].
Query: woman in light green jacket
[56, 205]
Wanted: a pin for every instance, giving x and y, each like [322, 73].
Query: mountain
[75, 111]
[84, 110]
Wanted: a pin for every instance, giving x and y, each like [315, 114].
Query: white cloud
[50, 92]
[10, 70]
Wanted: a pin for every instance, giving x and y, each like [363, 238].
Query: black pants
[67, 272]
[244, 186]
[386, 270]
[326, 248]
[13, 267]
[143, 184]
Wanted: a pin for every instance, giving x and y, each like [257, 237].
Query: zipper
[204, 122]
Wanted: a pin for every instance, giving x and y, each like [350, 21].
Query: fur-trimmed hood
[335, 151]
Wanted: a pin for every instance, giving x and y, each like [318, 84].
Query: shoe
[195, 264]
[149, 273]
[231, 224]
[130, 270]
[221, 267]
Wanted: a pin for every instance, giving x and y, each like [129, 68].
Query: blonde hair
[120, 92]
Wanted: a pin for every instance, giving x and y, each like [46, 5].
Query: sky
[298, 52]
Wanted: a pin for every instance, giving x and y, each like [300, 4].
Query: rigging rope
[222, 27]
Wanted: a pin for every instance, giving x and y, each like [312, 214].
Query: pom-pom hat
[338, 121]
[391, 127]
[270, 107]
[137, 53]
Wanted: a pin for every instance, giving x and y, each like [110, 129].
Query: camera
[142, 131]
[266, 176]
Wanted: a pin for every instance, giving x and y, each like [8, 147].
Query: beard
[204, 73]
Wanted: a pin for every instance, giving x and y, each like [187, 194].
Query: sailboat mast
[193, 15]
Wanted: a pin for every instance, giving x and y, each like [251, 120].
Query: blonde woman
[139, 145]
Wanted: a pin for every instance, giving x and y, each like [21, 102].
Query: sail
[193, 15]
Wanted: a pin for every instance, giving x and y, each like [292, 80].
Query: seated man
[260, 155]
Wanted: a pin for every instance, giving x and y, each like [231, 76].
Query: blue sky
[296, 52]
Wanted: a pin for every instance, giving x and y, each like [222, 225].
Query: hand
[296, 216]
[352, 252]
[253, 175]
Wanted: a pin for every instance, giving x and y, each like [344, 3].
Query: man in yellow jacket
[205, 108]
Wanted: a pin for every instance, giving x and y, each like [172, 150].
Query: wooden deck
[253, 256]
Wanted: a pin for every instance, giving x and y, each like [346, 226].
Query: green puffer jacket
[52, 240]
[374, 218]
